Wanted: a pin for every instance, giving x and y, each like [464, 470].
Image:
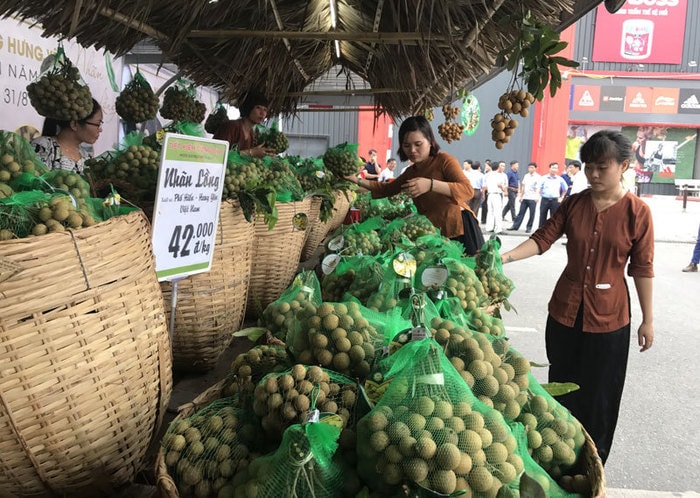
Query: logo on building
[663, 101]
[586, 100]
[691, 103]
[638, 101]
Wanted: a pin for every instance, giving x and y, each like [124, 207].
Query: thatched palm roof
[412, 53]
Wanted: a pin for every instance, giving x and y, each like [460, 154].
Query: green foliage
[536, 47]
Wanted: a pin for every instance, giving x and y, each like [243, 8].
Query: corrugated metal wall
[337, 127]
[585, 29]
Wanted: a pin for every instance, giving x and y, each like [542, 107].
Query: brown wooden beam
[407, 38]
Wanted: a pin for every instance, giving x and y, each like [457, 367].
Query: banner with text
[22, 49]
[642, 31]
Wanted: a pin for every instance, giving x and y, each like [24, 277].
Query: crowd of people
[501, 192]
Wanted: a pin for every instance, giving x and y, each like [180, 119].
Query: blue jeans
[696, 251]
[525, 206]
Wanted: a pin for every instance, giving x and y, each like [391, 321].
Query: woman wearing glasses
[59, 144]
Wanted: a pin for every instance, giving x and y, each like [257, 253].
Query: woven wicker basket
[593, 466]
[341, 206]
[86, 368]
[276, 256]
[211, 305]
[165, 484]
[316, 231]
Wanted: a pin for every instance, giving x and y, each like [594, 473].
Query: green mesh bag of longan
[358, 238]
[279, 317]
[489, 268]
[137, 102]
[338, 336]
[450, 277]
[555, 436]
[429, 432]
[342, 160]
[17, 158]
[354, 278]
[277, 173]
[302, 466]
[286, 398]
[202, 452]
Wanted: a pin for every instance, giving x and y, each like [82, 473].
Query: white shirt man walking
[496, 186]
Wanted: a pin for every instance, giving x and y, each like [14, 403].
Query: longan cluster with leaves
[502, 124]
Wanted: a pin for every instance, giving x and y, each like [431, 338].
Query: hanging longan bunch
[60, 93]
[502, 124]
[428, 113]
[218, 117]
[179, 105]
[137, 102]
[449, 130]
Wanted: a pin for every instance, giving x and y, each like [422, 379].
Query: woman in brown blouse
[588, 327]
[435, 182]
[239, 133]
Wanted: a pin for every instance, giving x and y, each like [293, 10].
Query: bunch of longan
[502, 124]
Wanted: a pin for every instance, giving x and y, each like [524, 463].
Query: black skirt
[473, 239]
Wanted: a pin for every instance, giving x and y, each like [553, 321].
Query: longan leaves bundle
[137, 102]
[60, 92]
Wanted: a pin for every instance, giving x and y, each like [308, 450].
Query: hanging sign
[186, 211]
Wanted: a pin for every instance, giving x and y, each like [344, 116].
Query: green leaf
[560, 388]
[529, 488]
[252, 333]
[539, 365]
[558, 47]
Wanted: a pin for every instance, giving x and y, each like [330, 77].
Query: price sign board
[188, 198]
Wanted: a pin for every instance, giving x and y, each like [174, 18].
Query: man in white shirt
[476, 178]
[387, 173]
[528, 196]
[579, 181]
[496, 186]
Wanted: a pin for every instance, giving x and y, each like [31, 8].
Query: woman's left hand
[416, 187]
[645, 336]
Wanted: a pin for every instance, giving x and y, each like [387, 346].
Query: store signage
[586, 97]
[186, 211]
[638, 99]
[612, 98]
[641, 31]
[688, 101]
[665, 100]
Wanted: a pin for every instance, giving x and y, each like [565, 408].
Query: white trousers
[493, 217]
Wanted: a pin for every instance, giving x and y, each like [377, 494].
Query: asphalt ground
[656, 451]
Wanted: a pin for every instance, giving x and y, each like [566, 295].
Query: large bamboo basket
[316, 231]
[276, 256]
[593, 466]
[341, 206]
[85, 355]
[211, 305]
[165, 485]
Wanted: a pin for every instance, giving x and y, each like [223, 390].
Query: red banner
[639, 99]
[642, 31]
[665, 101]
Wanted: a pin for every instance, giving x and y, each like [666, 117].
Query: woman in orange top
[435, 182]
[588, 327]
